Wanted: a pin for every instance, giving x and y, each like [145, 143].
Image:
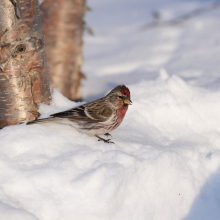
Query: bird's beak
[127, 102]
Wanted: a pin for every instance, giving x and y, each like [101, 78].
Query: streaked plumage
[97, 117]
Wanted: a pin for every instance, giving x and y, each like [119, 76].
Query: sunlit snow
[165, 163]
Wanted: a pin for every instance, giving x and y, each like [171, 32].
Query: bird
[98, 117]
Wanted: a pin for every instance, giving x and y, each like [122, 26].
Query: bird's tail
[43, 120]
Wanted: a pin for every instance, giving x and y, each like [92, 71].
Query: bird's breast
[121, 113]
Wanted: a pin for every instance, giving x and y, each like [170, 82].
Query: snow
[165, 163]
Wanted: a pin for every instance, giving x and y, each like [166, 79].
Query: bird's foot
[107, 134]
[105, 140]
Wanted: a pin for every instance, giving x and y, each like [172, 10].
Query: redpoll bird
[98, 117]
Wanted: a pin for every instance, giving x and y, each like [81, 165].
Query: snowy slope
[165, 163]
[119, 50]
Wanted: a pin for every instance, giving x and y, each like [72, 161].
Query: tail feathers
[43, 120]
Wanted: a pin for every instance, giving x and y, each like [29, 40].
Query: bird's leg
[107, 134]
[104, 140]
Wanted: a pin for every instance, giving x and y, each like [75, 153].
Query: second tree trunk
[63, 28]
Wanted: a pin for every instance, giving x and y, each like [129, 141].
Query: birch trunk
[23, 73]
[63, 24]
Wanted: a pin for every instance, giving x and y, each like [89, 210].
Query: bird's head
[120, 96]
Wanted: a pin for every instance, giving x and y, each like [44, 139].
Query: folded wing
[89, 113]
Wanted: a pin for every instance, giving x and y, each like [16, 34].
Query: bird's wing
[90, 112]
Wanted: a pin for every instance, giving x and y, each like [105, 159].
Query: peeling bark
[63, 26]
[23, 74]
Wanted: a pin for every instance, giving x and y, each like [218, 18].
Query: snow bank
[120, 53]
[163, 165]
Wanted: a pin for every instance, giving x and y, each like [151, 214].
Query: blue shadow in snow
[207, 204]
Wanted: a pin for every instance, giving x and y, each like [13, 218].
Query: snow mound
[164, 163]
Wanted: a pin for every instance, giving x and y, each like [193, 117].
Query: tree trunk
[63, 24]
[23, 74]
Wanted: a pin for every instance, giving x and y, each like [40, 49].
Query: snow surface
[165, 163]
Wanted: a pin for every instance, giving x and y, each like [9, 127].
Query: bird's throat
[121, 112]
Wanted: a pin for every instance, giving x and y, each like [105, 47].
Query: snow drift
[164, 163]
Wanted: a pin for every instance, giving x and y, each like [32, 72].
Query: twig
[180, 19]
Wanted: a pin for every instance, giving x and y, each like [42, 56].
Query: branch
[183, 18]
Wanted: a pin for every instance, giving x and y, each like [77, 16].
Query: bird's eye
[120, 97]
